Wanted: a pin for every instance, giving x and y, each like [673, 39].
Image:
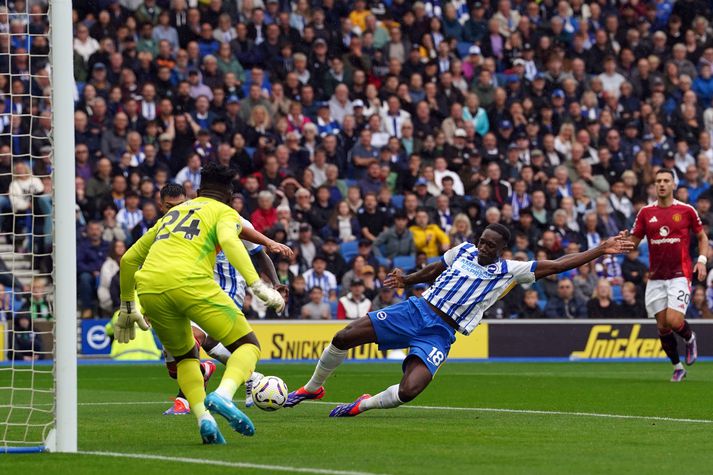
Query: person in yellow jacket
[429, 238]
[143, 347]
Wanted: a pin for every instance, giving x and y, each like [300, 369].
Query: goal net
[28, 369]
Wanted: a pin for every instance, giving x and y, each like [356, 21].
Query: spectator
[601, 305]
[531, 307]
[91, 254]
[298, 296]
[354, 304]
[632, 306]
[371, 219]
[316, 308]
[396, 240]
[319, 276]
[265, 216]
[108, 270]
[385, 298]
[565, 304]
[26, 344]
[342, 224]
[699, 307]
[39, 304]
[428, 238]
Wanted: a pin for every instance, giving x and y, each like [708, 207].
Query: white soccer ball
[270, 393]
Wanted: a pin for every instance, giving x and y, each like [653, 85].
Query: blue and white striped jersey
[466, 289]
[230, 279]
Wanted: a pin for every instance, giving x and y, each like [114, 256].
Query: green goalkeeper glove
[271, 297]
[125, 330]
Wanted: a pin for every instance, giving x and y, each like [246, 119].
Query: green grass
[409, 440]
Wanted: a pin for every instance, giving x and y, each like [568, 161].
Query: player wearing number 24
[466, 281]
[175, 285]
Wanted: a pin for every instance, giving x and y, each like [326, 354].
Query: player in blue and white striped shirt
[468, 280]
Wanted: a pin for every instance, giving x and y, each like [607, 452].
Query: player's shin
[190, 380]
[238, 369]
[684, 331]
[331, 358]
[387, 399]
[668, 343]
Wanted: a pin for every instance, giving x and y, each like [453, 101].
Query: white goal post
[65, 243]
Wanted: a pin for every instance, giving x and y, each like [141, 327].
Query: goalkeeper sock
[668, 343]
[387, 399]
[331, 358]
[220, 353]
[190, 380]
[238, 369]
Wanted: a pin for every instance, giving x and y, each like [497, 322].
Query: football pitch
[474, 418]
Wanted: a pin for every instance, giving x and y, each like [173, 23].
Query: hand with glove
[124, 329]
[271, 297]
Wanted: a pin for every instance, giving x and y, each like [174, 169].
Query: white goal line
[224, 463]
[469, 409]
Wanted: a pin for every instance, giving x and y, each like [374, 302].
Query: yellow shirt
[180, 250]
[359, 18]
[429, 240]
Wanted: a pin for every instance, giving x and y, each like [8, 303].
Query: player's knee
[342, 339]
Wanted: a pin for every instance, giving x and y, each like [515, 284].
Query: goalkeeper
[175, 284]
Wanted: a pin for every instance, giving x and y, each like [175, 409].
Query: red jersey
[667, 231]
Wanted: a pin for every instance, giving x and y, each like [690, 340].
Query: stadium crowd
[374, 135]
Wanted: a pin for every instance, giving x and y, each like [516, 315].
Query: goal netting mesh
[27, 380]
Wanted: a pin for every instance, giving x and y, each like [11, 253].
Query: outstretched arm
[618, 244]
[397, 279]
[265, 265]
[259, 238]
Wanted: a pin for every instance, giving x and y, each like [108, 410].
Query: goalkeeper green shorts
[171, 312]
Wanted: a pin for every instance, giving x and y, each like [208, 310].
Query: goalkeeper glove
[271, 297]
[124, 330]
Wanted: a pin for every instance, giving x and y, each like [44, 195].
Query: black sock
[685, 331]
[668, 342]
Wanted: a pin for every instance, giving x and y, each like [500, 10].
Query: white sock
[205, 416]
[328, 362]
[678, 365]
[386, 399]
[220, 353]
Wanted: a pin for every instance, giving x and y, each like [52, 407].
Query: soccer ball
[270, 393]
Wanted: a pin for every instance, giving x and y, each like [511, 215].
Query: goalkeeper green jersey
[180, 249]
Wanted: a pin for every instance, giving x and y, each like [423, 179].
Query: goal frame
[65, 244]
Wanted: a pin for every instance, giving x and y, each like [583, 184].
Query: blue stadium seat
[405, 262]
[431, 260]
[350, 182]
[383, 261]
[333, 307]
[349, 249]
[542, 304]
[397, 201]
[250, 151]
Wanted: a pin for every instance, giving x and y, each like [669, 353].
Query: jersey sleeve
[452, 253]
[132, 260]
[228, 229]
[639, 229]
[523, 272]
[696, 224]
[250, 246]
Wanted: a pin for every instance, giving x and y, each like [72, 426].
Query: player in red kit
[667, 224]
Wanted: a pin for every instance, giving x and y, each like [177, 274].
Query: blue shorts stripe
[233, 283]
[221, 276]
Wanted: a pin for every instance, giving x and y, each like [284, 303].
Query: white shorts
[662, 294]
